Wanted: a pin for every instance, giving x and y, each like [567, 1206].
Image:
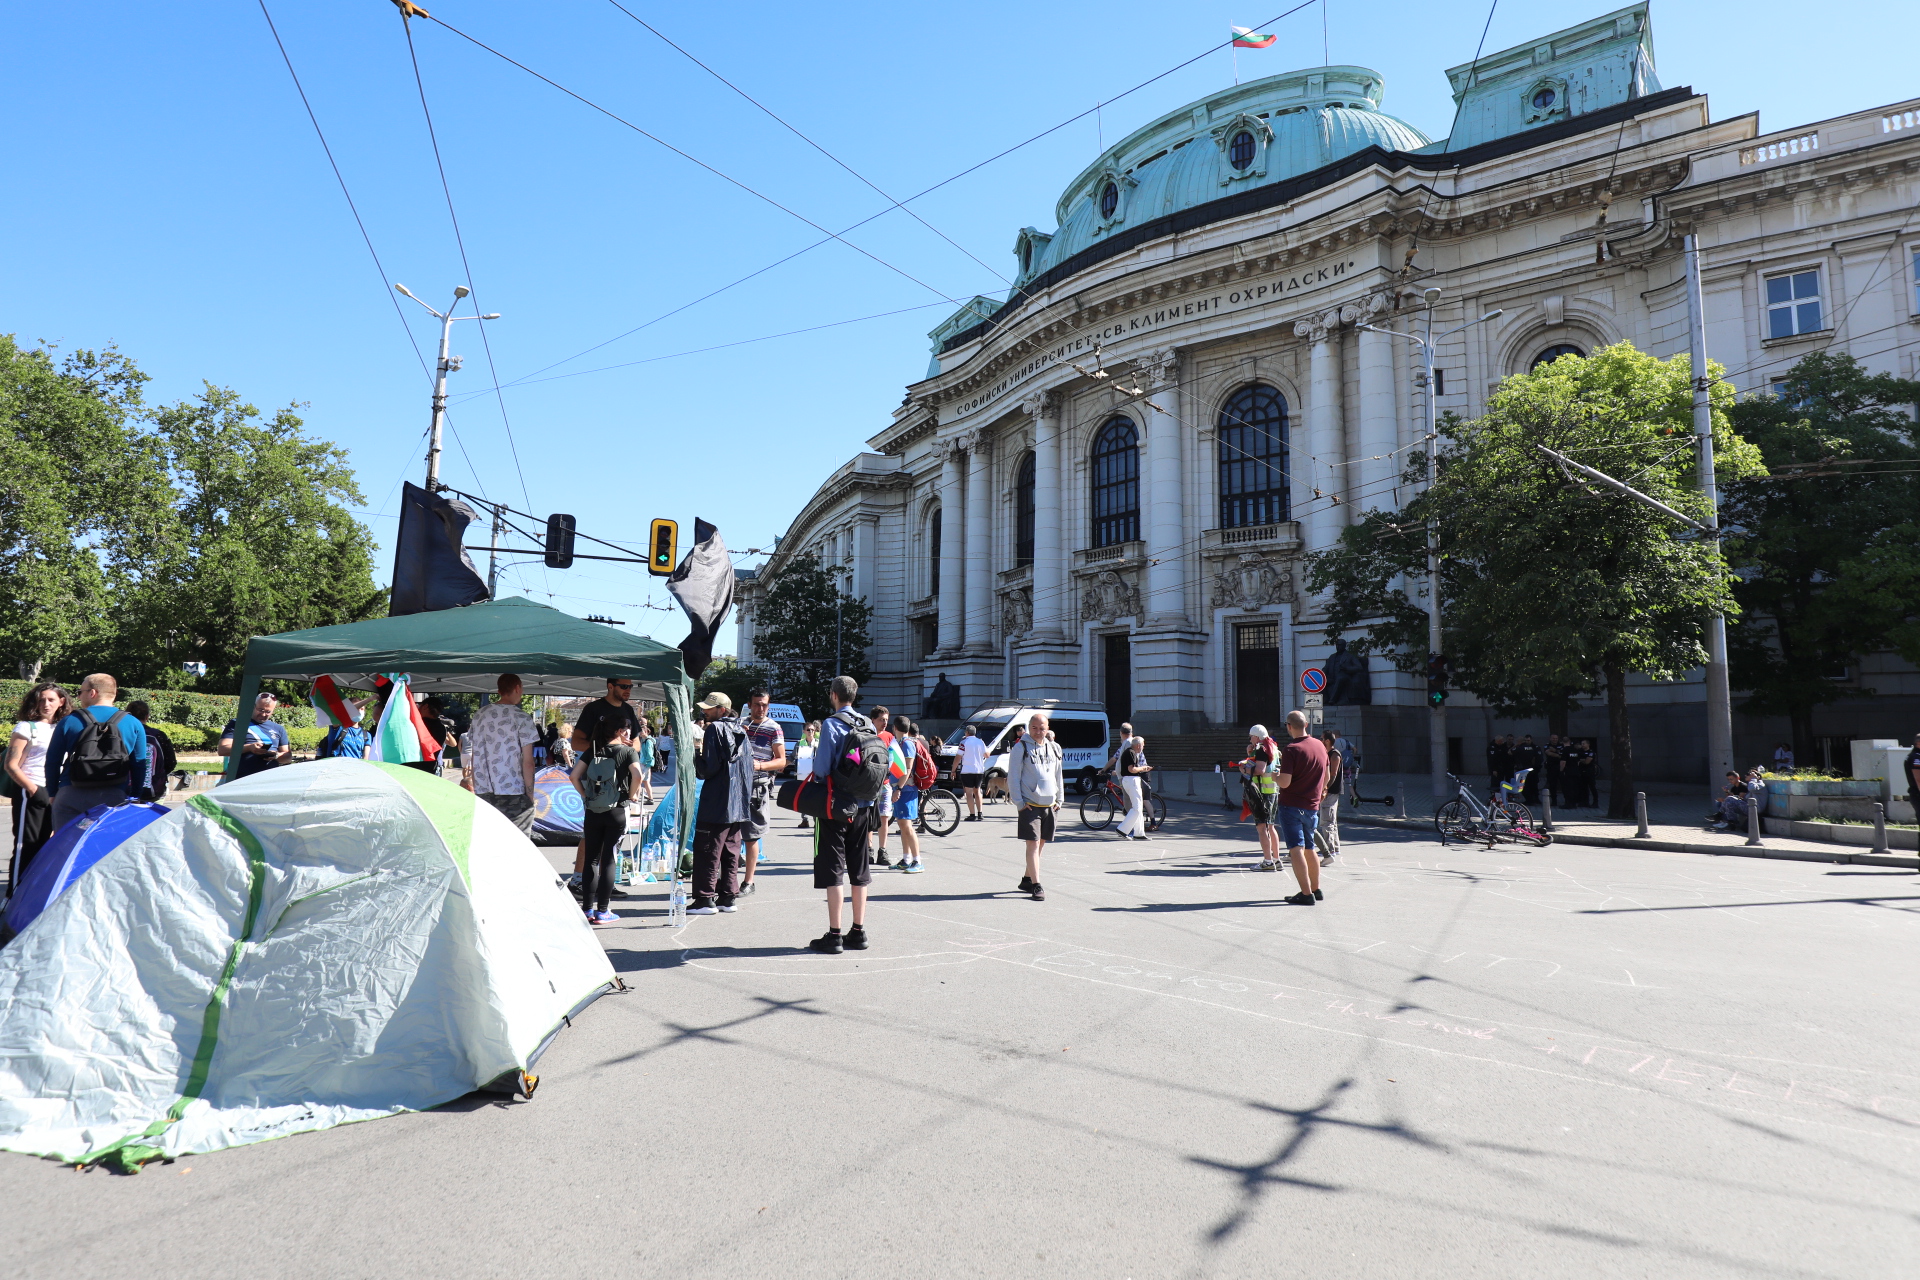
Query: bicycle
[1464, 817]
[939, 812]
[1097, 811]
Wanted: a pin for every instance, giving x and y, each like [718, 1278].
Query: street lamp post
[1436, 711]
[448, 364]
[1719, 694]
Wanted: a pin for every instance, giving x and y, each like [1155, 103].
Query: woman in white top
[44, 706]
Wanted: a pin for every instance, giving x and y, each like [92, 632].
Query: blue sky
[167, 194]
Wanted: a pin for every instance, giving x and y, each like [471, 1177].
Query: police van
[793, 722]
[1079, 727]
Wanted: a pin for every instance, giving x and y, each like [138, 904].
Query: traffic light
[663, 543]
[1436, 680]
[559, 545]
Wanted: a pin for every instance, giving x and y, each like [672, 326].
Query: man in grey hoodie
[725, 766]
[1035, 785]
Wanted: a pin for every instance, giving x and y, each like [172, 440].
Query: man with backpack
[852, 763]
[725, 766]
[606, 781]
[98, 755]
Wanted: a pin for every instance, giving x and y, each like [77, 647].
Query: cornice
[1840, 172]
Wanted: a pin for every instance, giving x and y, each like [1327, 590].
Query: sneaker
[1027, 885]
[729, 907]
[746, 888]
[880, 859]
[1326, 859]
[856, 939]
[703, 911]
[1318, 896]
[1268, 864]
[913, 866]
[1299, 900]
[829, 943]
[603, 917]
[1039, 894]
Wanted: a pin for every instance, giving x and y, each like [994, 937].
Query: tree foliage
[1826, 548]
[796, 634]
[726, 674]
[1552, 588]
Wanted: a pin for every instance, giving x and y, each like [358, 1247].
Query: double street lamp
[448, 364]
[1437, 708]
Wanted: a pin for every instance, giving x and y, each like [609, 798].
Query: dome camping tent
[75, 847]
[310, 946]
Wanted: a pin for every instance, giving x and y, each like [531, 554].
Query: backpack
[601, 784]
[925, 773]
[347, 741]
[161, 755]
[862, 768]
[99, 756]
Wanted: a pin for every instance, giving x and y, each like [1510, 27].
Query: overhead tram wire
[775, 117]
[831, 236]
[460, 241]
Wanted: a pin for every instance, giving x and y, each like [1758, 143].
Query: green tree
[726, 675]
[71, 478]
[1826, 540]
[799, 633]
[255, 538]
[1552, 588]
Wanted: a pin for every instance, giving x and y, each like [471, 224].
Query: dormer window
[1240, 150]
[1026, 258]
[1109, 199]
[1544, 99]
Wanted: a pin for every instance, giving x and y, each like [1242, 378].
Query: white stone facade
[1571, 226]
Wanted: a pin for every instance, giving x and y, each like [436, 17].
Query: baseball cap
[716, 699]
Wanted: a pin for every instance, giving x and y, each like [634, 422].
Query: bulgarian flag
[401, 737]
[896, 762]
[1247, 38]
[330, 707]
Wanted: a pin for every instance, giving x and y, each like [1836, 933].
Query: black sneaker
[746, 888]
[1039, 894]
[880, 859]
[1026, 884]
[856, 939]
[1299, 900]
[829, 944]
[1318, 896]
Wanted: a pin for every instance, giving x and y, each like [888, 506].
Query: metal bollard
[1225, 801]
[1546, 806]
[1400, 799]
[1753, 820]
[1640, 812]
[1879, 828]
[1189, 782]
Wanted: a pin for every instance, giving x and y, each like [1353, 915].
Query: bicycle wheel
[1156, 812]
[1515, 823]
[1453, 820]
[939, 811]
[1096, 811]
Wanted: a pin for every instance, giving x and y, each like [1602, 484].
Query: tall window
[1793, 304]
[1253, 458]
[1023, 513]
[933, 547]
[1116, 483]
[1109, 199]
[1916, 279]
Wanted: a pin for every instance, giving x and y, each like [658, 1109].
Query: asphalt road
[1575, 1061]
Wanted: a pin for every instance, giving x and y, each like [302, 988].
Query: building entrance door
[1256, 674]
[1117, 675]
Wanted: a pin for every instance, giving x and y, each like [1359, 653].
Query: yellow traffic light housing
[663, 548]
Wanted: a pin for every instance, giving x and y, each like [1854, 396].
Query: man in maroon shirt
[1303, 780]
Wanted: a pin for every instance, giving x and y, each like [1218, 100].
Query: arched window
[1253, 458]
[1553, 353]
[1023, 512]
[934, 522]
[1109, 199]
[1116, 483]
[1240, 150]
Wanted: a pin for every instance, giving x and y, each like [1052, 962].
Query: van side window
[1079, 735]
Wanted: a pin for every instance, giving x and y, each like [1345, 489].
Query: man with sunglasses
[616, 708]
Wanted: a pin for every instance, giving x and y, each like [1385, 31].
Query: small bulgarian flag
[401, 736]
[330, 706]
[896, 761]
[1247, 38]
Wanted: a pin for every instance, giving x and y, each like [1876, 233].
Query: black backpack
[99, 757]
[861, 768]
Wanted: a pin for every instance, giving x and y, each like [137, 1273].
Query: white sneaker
[1268, 864]
[703, 911]
[730, 907]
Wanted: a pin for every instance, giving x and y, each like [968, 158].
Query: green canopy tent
[465, 650]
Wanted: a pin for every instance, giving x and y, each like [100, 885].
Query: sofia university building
[1105, 484]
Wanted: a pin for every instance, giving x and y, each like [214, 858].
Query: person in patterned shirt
[499, 765]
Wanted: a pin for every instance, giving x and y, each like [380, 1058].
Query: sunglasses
[621, 684]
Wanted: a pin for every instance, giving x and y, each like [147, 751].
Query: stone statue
[1348, 682]
[1016, 613]
[943, 702]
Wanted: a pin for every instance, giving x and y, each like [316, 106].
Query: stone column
[865, 556]
[952, 560]
[1162, 476]
[1049, 555]
[1326, 444]
[978, 540]
[1372, 487]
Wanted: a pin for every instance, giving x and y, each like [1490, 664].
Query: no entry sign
[1313, 680]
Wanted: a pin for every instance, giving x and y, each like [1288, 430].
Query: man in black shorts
[1035, 784]
[840, 839]
[973, 765]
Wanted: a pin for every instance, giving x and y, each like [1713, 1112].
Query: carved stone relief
[1252, 581]
[1107, 596]
[1016, 613]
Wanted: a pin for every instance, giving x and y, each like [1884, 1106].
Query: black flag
[703, 584]
[430, 570]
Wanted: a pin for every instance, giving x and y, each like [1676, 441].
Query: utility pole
[1436, 711]
[493, 557]
[447, 364]
[1719, 692]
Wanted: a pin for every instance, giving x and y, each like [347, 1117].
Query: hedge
[172, 706]
[186, 737]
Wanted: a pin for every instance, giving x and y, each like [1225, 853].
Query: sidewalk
[1675, 824]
